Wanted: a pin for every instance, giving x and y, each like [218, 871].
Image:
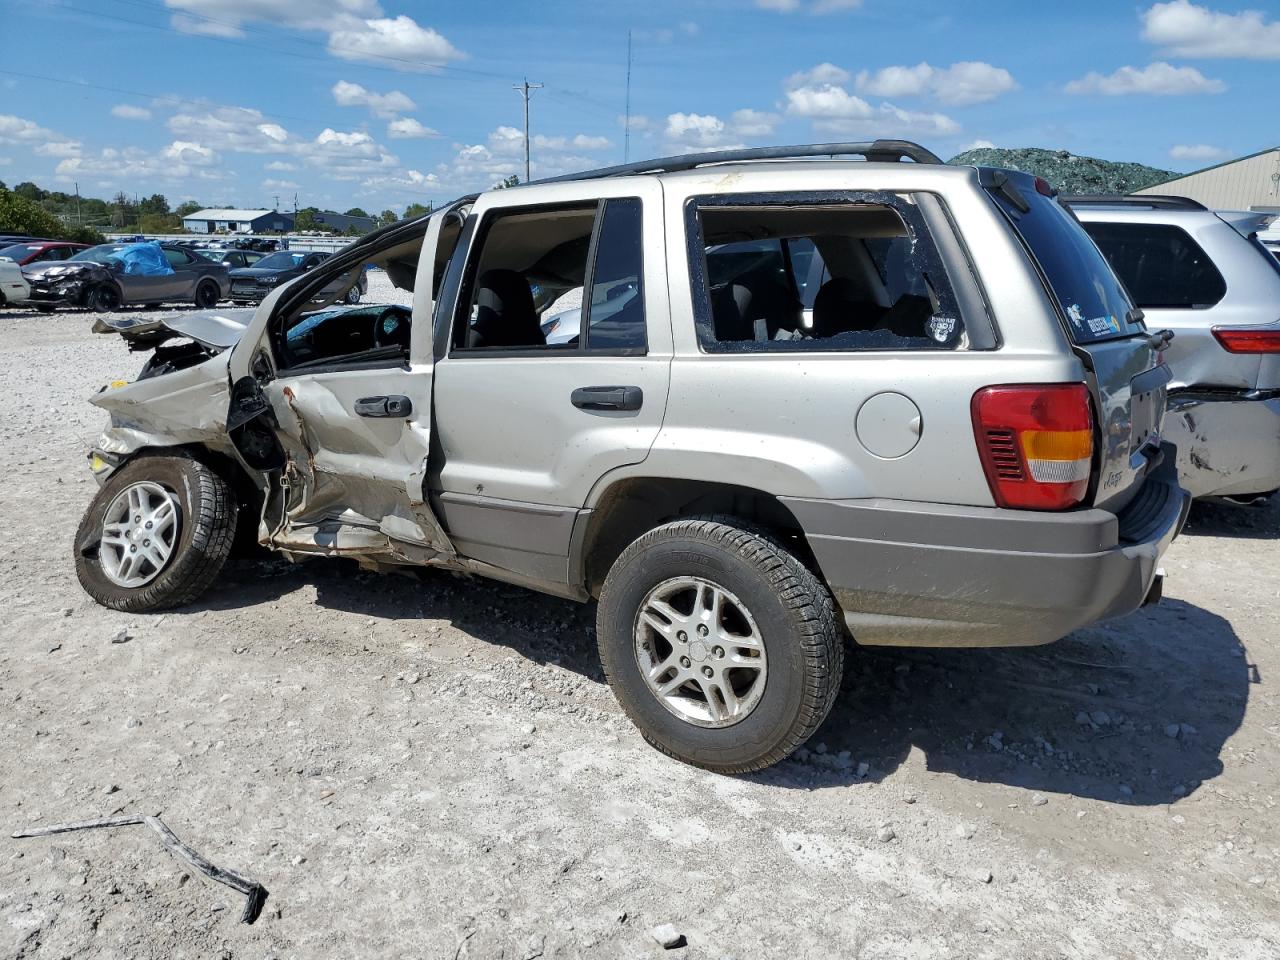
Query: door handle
[607, 398]
[384, 407]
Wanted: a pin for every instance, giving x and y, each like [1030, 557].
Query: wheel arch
[244, 484]
[630, 507]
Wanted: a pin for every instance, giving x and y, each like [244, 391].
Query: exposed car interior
[322, 333]
[526, 287]
[845, 277]
[527, 262]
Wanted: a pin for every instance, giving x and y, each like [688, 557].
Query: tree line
[28, 209]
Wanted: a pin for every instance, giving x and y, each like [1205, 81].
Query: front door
[555, 369]
[345, 394]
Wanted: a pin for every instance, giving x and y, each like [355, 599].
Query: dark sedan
[252, 284]
[98, 278]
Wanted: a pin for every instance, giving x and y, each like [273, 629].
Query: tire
[207, 296]
[104, 298]
[205, 508]
[788, 609]
[353, 295]
[44, 308]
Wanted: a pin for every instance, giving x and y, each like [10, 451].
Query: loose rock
[668, 936]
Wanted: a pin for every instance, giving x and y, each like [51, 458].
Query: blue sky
[377, 103]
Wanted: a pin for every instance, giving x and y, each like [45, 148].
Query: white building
[237, 221]
[1250, 183]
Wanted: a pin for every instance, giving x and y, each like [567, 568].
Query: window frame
[917, 217]
[475, 233]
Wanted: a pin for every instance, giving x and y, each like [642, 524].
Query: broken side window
[818, 272]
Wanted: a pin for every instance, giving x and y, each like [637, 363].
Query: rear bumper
[940, 575]
[1229, 444]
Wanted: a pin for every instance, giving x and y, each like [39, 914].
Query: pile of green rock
[1070, 173]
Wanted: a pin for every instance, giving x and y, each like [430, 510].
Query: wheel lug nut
[684, 662]
[682, 637]
[146, 543]
[133, 548]
[707, 672]
[719, 652]
[137, 519]
[702, 630]
[148, 524]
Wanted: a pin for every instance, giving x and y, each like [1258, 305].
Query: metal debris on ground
[255, 893]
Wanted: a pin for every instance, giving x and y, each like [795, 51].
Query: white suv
[1206, 276]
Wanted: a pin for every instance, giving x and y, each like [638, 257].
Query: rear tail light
[1036, 443]
[1249, 339]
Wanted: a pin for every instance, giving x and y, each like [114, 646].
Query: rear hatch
[1124, 370]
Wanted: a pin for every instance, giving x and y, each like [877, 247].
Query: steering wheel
[384, 337]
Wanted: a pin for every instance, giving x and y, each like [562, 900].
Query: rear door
[1127, 378]
[526, 427]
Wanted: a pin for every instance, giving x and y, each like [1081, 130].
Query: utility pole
[626, 127]
[79, 221]
[524, 89]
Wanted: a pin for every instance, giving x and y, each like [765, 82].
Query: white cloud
[977, 145]
[781, 6]
[635, 122]
[835, 110]
[966, 82]
[584, 142]
[827, 101]
[238, 129]
[357, 29]
[753, 123]
[1156, 79]
[127, 111]
[1184, 29]
[224, 18]
[385, 105]
[279, 185]
[1198, 151]
[401, 39]
[180, 160]
[692, 132]
[40, 140]
[347, 155]
[821, 75]
[407, 128]
[280, 165]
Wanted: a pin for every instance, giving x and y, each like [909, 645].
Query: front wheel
[721, 646]
[353, 295]
[156, 535]
[104, 298]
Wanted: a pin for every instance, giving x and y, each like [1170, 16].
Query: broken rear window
[823, 272]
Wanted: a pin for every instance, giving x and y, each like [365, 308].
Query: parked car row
[903, 403]
[49, 275]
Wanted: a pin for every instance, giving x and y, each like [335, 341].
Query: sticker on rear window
[1094, 326]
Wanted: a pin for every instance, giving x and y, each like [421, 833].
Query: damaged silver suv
[806, 399]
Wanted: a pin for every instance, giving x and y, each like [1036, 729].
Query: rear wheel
[353, 295]
[721, 646]
[104, 298]
[207, 295]
[156, 535]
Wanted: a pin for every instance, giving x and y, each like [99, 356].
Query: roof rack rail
[879, 151]
[1153, 200]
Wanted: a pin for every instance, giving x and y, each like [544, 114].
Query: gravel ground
[434, 767]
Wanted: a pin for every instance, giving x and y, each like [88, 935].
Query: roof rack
[878, 151]
[1155, 201]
